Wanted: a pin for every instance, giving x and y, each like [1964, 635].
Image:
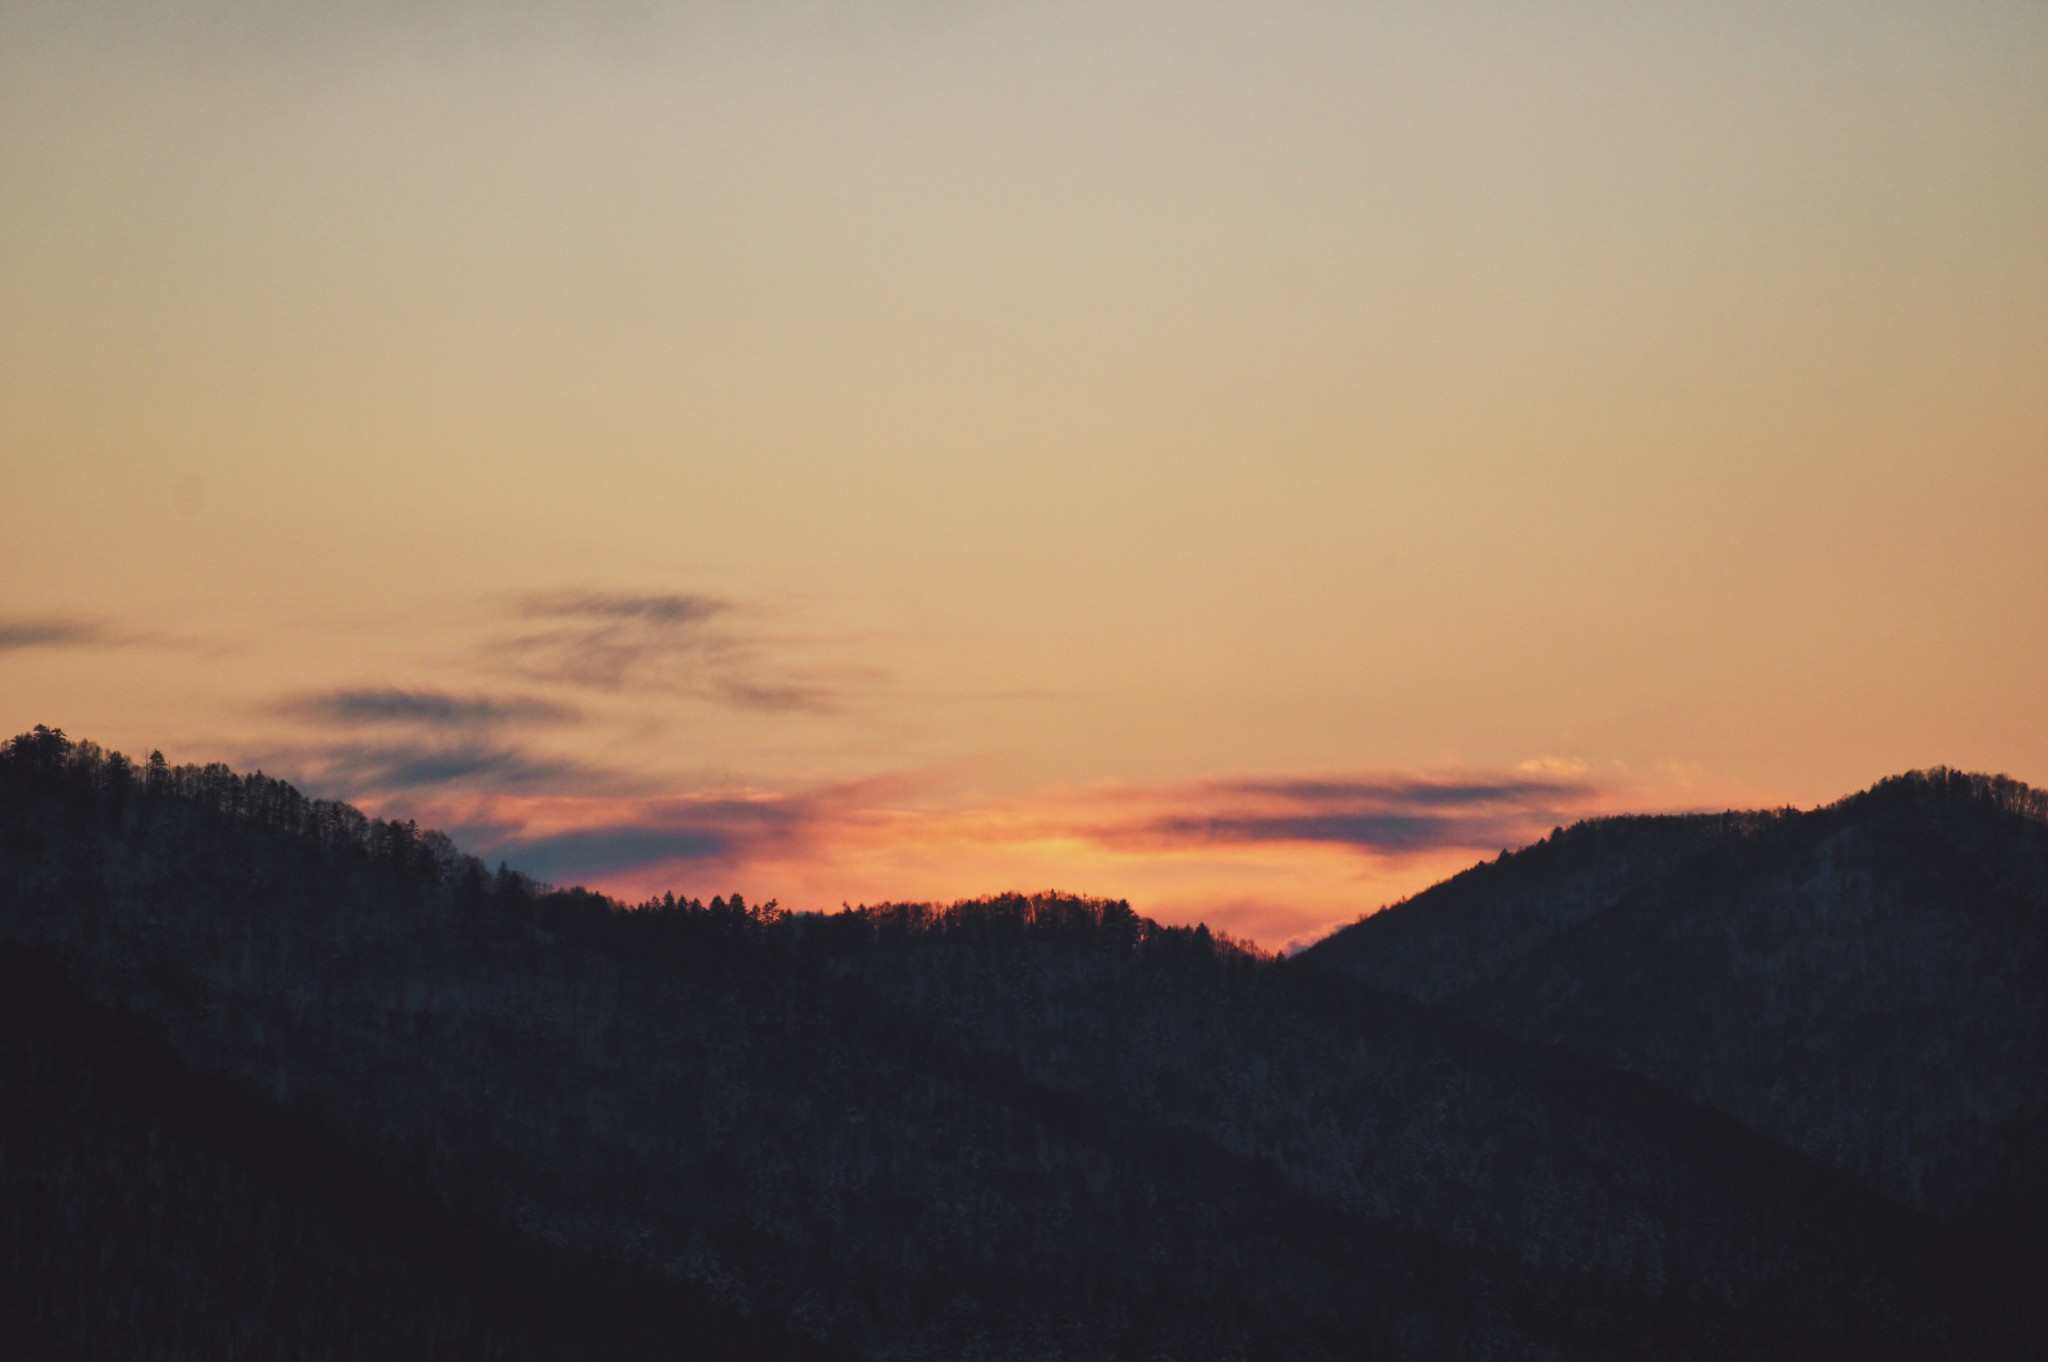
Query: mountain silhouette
[1864, 982]
[286, 1080]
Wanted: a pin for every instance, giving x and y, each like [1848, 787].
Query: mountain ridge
[1917, 909]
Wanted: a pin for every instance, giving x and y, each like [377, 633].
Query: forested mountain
[1867, 982]
[284, 1080]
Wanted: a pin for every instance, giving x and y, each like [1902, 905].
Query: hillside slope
[1867, 982]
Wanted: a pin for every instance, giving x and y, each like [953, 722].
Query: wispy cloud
[362, 769]
[685, 644]
[387, 705]
[727, 831]
[613, 642]
[1386, 815]
[1405, 790]
[667, 609]
[20, 632]
[601, 835]
[583, 660]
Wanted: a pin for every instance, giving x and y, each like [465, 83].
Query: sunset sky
[1252, 459]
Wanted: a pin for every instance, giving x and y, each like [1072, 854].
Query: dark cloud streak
[1410, 791]
[18, 633]
[354, 770]
[1384, 815]
[671, 609]
[1391, 832]
[724, 831]
[566, 856]
[428, 708]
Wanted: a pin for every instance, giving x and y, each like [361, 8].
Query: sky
[1250, 459]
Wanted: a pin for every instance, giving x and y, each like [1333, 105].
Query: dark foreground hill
[284, 1081]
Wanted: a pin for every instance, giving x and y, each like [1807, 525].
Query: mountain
[1866, 982]
[286, 1080]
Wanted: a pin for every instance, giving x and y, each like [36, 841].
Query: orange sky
[1249, 458]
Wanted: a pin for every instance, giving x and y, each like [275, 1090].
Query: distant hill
[1867, 982]
[286, 1080]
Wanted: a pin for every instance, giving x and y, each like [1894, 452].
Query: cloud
[1386, 832]
[684, 644]
[425, 708]
[570, 855]
[1385, 815]
[668, 610]
[353, 770]
[600, 835]
[1406, 791]
[612, 642]
[21, 632]
[727, 830]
